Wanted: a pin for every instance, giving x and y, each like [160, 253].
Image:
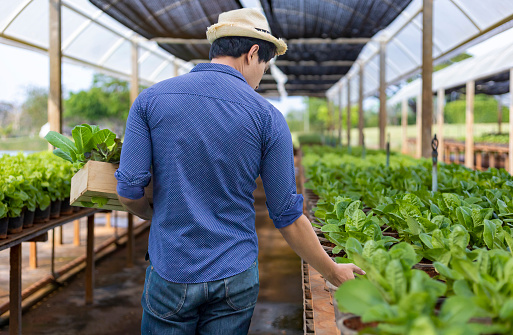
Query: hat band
[263, 30]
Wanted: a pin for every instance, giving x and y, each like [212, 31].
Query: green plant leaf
[100, 201]
[62, 142]
[82, 136]
[457, 310]
[506, 312]
[60, 153]
[489, 233]
[413, 225]
[358, 296]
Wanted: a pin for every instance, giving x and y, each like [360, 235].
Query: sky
[20, 69]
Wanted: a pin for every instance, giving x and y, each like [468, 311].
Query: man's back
[209, 139]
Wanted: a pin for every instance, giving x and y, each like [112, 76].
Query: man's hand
[302, 239]
[343, 272]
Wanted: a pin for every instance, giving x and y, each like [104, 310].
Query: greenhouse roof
[89, 37]
[490, 71]
[457, 24]
[324, 36]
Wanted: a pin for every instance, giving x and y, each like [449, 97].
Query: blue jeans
[215, 308]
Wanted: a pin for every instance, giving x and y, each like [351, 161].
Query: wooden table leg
[130, 245]
[76, 238]
[33, 255]
[15, 291]
[492, 159]
[479, 160]
[108, 217]
[59, 240]
[89, 285]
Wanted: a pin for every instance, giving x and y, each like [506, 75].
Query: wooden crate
[96, 179]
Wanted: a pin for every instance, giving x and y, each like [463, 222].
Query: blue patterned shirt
[207, 135]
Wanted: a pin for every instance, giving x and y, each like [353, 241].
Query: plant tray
[96, 179]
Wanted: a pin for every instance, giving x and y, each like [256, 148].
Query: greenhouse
[256, 167]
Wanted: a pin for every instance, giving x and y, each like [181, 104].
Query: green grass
[450, 131]
[23, 144]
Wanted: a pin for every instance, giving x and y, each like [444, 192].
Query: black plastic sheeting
[176, 19]
[289, 19]
[494, 85]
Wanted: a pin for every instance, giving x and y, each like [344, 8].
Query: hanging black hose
[434, 155]
[363, 146]
[388, 151]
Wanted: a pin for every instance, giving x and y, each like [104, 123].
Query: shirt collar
[219, 68]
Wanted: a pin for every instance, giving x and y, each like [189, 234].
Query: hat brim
[225, 29]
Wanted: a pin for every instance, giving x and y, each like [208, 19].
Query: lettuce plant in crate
[15, 198]
[4, 219]
[90, 144]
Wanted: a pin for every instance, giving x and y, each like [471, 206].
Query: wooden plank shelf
[38, 229]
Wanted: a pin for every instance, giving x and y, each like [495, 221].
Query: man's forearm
[303, 240]
[140, 207]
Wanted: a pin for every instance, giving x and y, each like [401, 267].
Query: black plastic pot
[16, 224]
[55, 211]
[42, 216]
[28, 220]
[66, 208]
[4, 222]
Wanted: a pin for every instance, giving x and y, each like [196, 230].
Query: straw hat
[246, 22]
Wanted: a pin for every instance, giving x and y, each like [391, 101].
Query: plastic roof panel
[89, 37]
[455, 23]
[32, 24]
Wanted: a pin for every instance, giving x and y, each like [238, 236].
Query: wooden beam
[469, 120]
[15, 290]
[194, 41]
[404, 126]
[134, 78]
[382, 95]
[418, 152]
[108, 217]
[348, 113]
[76, 237]
[314, 63]
[33, 255]
[361, 120]
[440, 102]
[427, 78]
[511, 122]
[55, 55]
[90, 260]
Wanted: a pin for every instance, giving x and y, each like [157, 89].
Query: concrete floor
[117, 308]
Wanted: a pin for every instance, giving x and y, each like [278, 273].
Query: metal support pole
[434, 157]
[469, 138]
[440, 102]
[90, 260]
[382, 95]
[404, 126]
[419, 127]
[340, 118]
[54, 55]
[15, 291]
[130, 244]
[134, 79]
[348, 116]
[499, 113]
[510, 123]
[427, 78]
[360, 107]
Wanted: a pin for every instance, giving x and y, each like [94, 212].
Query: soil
[355, 323]
[431, 272]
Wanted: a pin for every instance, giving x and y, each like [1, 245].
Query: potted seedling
[95, 154]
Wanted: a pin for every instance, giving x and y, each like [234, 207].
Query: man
[208, 135]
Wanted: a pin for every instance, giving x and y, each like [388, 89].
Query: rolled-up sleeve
[133, 174]
[277, 172]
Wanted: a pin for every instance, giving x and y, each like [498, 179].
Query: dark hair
[236, 46]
